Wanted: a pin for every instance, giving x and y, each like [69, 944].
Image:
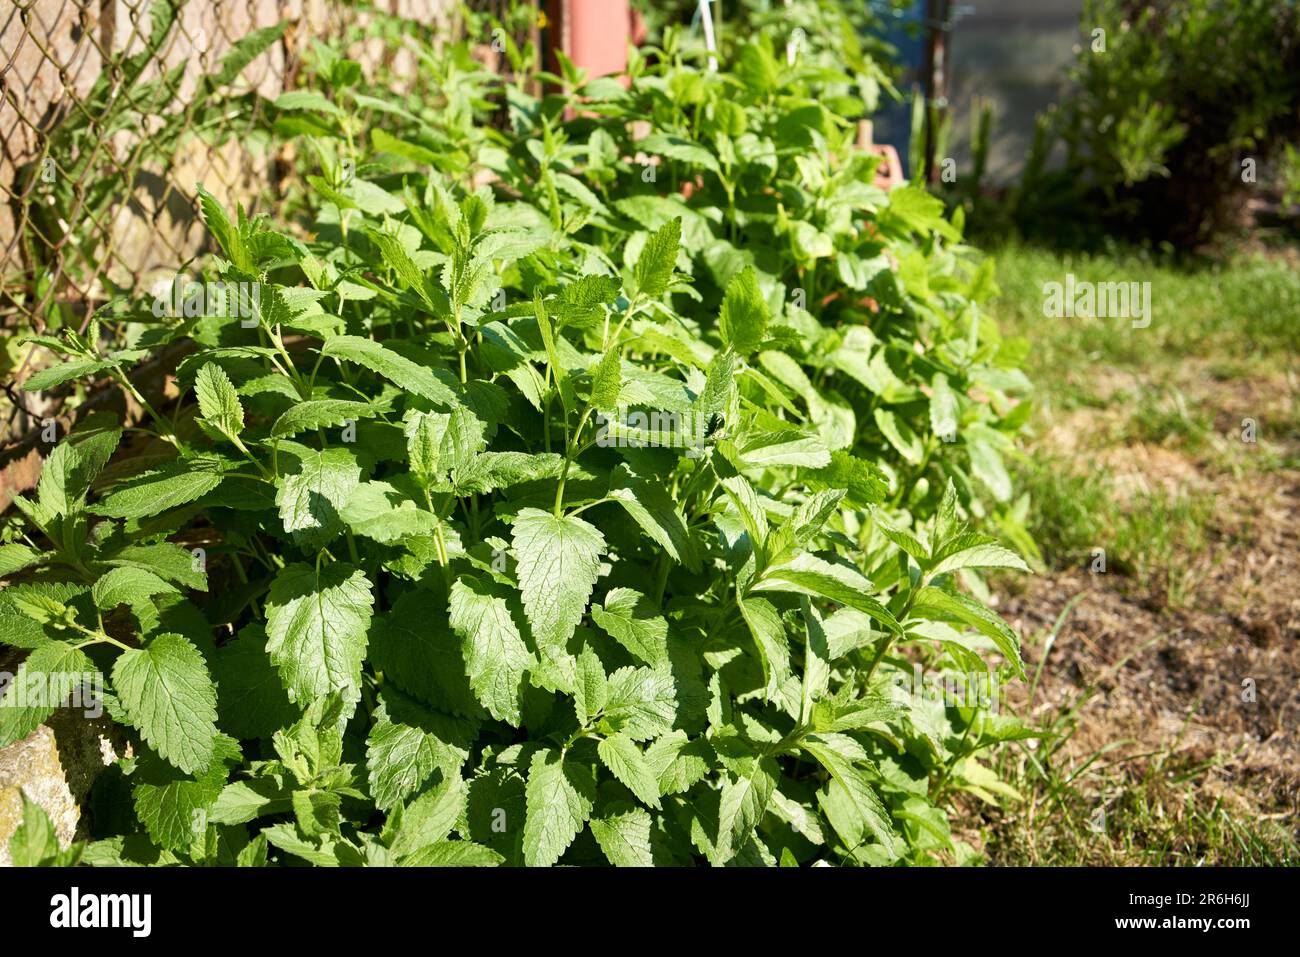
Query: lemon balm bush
[406, 577]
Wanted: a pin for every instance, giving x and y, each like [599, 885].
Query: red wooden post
[594, 34]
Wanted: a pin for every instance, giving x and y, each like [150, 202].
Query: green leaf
[35, 843]
[408, 743]
[453, 854]
[837, 754]
[319, 414]
[51, 673]
[943, 407]
[311, 498]
[931, 602]
[557, 564]
[431, 817]
[218, 400]
[680, 148]
[71, 467]
[590, 689]
[741, 806]
[251, 702]
[678, 762]
[378, 510]
[560, 795]
[900, 435]
[658, 259]
[127, 586]
[167, 560]
[168, 696]
[654, 510]
[607, 381]
[391, 365]
[629, 766]
[176, 811]
[227, 235]
[765, 626]
[496, 657]
[809, 575]
[623, 833]
[64, 372]
[975, 551]
[439, 442]
[987, 466]
[863, 480]
[762, 450]
[642, 702]
[745, 315]
[15, 557]
[317, 621]
[175, 484]
[635, 623]
[418, 652]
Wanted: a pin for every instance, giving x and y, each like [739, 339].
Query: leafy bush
[1184, 91]
[593, 514]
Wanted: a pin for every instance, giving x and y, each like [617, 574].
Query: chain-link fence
[112, 110]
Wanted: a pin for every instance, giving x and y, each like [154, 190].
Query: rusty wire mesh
[111, 111]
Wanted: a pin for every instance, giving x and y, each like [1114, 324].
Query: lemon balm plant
[565, 519]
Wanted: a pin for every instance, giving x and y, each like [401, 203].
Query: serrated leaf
[453, 854]
[768, 632]
[654, 510]
[408, 743]
[931, 602]
[251, 702]
[745, 315]
[35, 843]
[226, 233]
[127, 586]
[391, 365]
[44, 681]
[317, 621]
[678, 762]
[590, 690]
[560, 795]
[635, 623]
[629, 766]
[642, 702]
[218, 400]
[975, 551]
[439, 442]
[623, 833]
[175, 484]
[870, 818]
[431, 817]
[607, 381]
[167, 560]
[310, 500]
[557, 564]
[809, 575]
[658, 260]
[496, 657]
[168, 696]
[176, 812]
[16, 556]
[417, 650]
[319, 414]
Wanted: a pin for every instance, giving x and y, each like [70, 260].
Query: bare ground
[1212, 680]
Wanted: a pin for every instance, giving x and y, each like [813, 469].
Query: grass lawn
[1163, 631]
